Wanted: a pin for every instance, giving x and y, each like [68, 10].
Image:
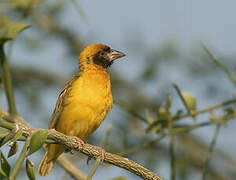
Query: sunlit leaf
[162, 113]
[37, 140]
[148, 117]
[190, 100]
[5, 165]
[9, 29]
[30, 169]
[2, 174]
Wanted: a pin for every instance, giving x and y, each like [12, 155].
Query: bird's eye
[102, 53]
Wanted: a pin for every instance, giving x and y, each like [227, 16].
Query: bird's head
[98, 55]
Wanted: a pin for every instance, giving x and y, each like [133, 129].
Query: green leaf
[190, 100]
[2, 174]
[30, 169]
[13, 150]
[6, 138]
[9, 29]
[5, 165]
[162, 114]
[37, 140]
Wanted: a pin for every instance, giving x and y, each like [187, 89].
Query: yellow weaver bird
[84, 102]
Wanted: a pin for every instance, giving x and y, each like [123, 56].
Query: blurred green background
[162, 41]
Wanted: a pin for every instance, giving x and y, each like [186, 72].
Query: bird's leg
[80, 143]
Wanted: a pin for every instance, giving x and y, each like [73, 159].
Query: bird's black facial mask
[106, 57]
[102, 59]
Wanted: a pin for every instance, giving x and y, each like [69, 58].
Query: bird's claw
[102, 153]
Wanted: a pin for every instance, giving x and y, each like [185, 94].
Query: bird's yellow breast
[86, 104]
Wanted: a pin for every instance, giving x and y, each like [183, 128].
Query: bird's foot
[89, 158]
[102, 153]
[80, 143]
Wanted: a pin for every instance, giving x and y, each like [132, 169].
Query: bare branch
[219, 64]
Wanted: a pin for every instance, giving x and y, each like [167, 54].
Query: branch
[206, 110]
[219, 64]
[20, 160]
[93, 170]
[213, 142]
[171, 148]
[71, 143]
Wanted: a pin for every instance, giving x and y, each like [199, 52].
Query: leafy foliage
[9, 29]
[37, 141]
[5, 167]
[30, 169]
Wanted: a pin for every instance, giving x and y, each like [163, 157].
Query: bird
[84, 102]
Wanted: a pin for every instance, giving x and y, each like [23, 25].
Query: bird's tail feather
[45, 165]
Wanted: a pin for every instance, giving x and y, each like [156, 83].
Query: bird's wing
[61, 102]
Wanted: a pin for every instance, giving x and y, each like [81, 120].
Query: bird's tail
[45, 165]
[52, 153]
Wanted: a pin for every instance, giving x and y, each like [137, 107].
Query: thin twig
[125, 107]
[176, 130]
[219, 64]
[144, 145]
[171, 147]
[181, 97]
[20, 160]
[7, 125]
[93, 170]
[207, 109]
[7, 81]
[212, 145]
[71, 168]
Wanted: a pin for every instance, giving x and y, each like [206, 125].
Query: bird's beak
[114, 54]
